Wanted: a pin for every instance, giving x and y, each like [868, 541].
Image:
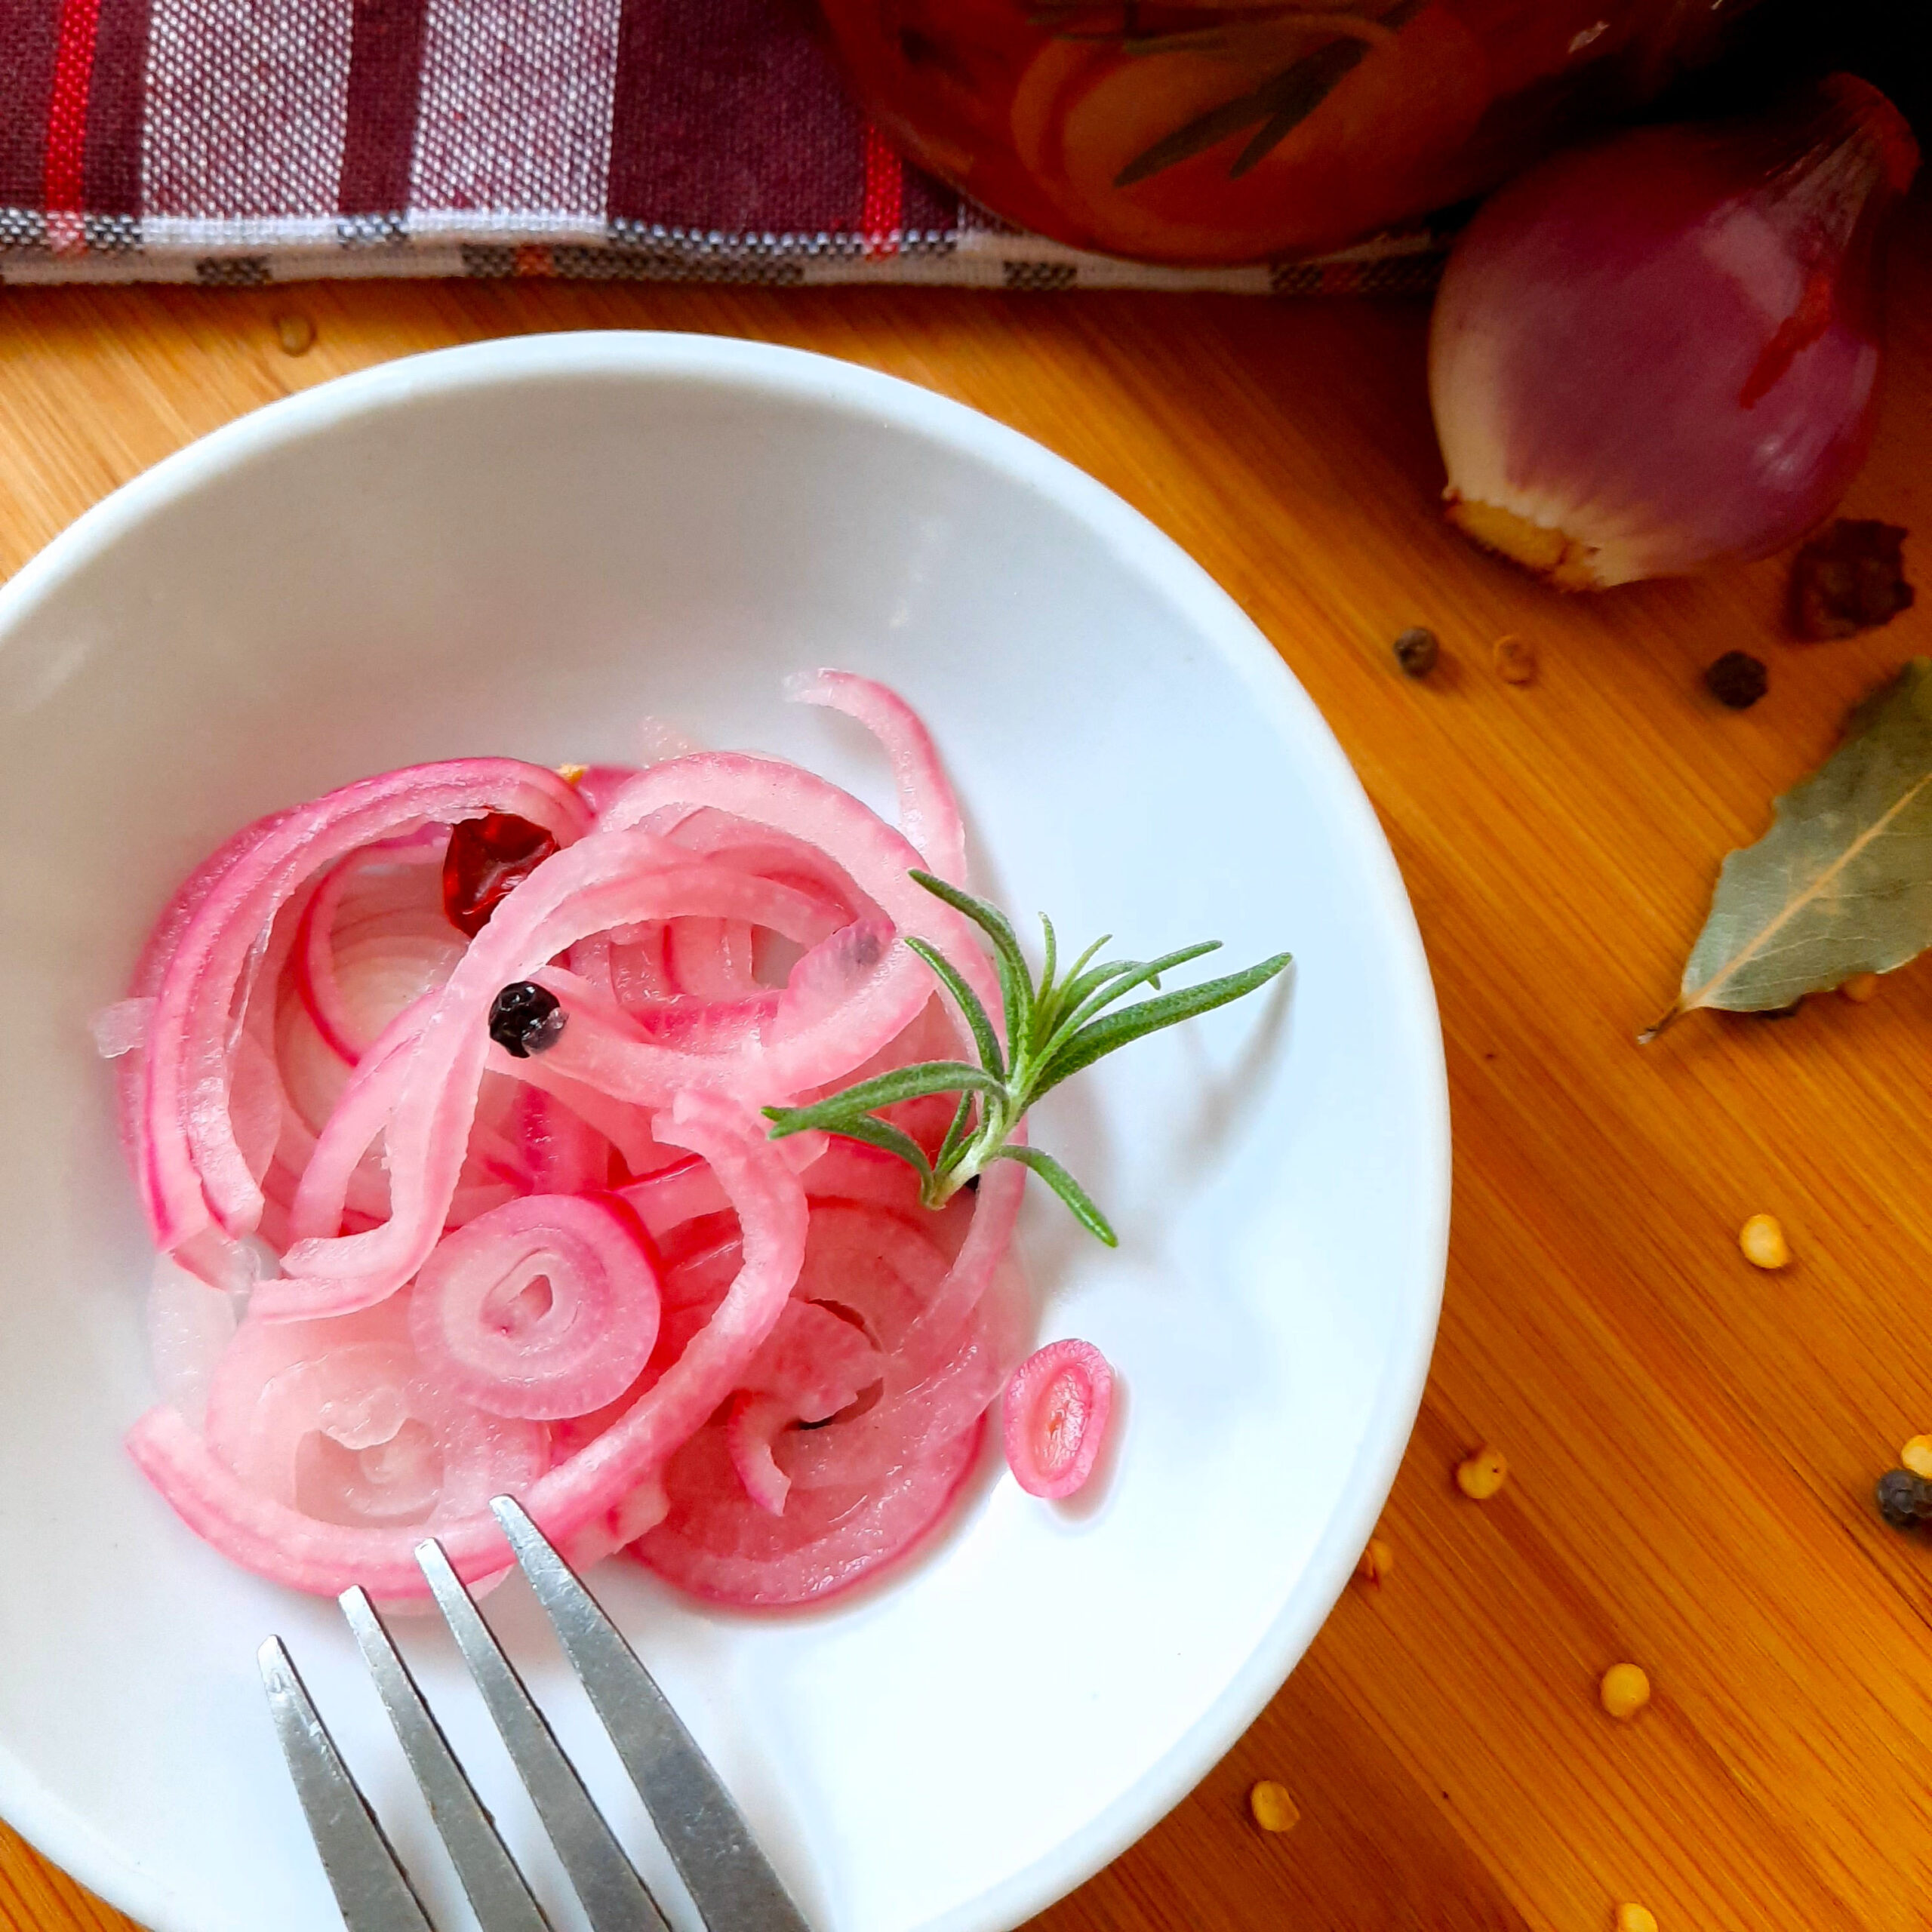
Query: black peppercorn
[1737, 679]
[1903, 1499]
[1416, 651]
[525, 1018]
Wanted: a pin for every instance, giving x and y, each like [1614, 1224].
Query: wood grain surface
[1692, 1444]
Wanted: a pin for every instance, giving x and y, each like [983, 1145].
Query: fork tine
[497, 1893]
[728, 1877]
[613, 1895]
[370, 1884]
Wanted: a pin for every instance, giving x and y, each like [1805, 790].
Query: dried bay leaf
[1842, 881]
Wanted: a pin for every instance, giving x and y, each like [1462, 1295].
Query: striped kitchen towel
[247, 141]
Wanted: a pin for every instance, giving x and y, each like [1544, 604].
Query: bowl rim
[799, 376]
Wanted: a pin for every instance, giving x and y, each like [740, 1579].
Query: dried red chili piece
[487, 858]
[1850, 577]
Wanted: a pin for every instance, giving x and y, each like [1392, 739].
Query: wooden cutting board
[1692, 1444]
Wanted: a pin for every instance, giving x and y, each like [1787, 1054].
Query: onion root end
[1552, 555]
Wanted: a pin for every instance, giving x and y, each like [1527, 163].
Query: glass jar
[1180, 131]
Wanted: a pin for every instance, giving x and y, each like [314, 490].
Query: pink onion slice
[854, 1494]
[715, 1545]
[189, 1326]
[749, 1431]
[193, 1174]
[812, 1364]
[928, 812]
[339, 1421]
[121, 1028]
[360, 1115]
[580, 1502]
[373, 936]
[547, 1307]
[875, 857]
[710, 958]
[584, 888]
[1057, 1407]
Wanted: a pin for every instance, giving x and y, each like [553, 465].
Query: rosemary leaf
[981, 1027]
[1016, 983]
[881, 1133]
[888, 1090]
[956, 1135]
[1150, 1016]
[1069, 1189]
[1121, 981]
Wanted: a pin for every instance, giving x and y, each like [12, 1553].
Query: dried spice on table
[1481, 1473]
[1271, 1807]
[1624, 1690]
[1850, 577]
[1762, 1239]
[1841, 884]
[1515, 660]
[1737, 680]
[1904, 1499]
[1418, 650]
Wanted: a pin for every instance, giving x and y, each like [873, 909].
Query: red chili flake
[1850, 577]
[487, 859]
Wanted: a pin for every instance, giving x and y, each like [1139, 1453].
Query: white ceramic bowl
[522, 547]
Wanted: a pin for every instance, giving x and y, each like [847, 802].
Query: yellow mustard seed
[1481, 1474]
[1762, 1239]
[296, 334]
[1377, 1560]
[1274, 1809]
[1515, 660]
[1860, 987]
[1916, 1456]
[1636, 1918]
[1625, 1690]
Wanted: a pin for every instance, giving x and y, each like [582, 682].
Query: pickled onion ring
[581, 1265]
[195, 1179]
[928, 812]
[1056, 1411]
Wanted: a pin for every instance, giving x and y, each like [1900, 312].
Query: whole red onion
[1661, 351]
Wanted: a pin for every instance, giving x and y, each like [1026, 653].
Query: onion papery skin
[1661, 352]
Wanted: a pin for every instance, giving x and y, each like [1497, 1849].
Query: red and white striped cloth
[244, 141]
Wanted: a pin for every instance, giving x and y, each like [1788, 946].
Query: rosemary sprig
[1054, 1027]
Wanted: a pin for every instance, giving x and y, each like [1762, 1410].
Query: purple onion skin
[1661, 352]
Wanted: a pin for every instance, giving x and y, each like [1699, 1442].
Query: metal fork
[733, 1886]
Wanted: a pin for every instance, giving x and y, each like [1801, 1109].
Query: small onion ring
[581, 1350]
[1057, 1406]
